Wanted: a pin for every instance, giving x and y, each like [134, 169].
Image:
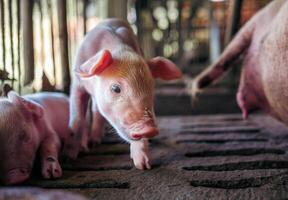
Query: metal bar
[214, 36]
[63, 37]
[234, 15]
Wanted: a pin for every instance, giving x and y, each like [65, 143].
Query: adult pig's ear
[26, 105]
[95, 65]
[164, 69]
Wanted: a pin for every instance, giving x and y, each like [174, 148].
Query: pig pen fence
[39, 38]
[38, 41]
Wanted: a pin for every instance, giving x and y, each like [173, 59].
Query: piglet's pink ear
[164, 69]
[95, 65]
[26, 105]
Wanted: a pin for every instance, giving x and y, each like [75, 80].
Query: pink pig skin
[110, 68]
[263, 43]
[29, 124]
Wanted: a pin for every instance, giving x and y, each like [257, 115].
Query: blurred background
[39, 40]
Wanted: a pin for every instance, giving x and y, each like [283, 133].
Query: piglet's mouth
[147, 132]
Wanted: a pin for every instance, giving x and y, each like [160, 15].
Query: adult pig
[110, 68]
[263, 41]
[29, 124]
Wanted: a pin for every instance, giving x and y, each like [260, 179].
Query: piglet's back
[110, 34]
[56, 108]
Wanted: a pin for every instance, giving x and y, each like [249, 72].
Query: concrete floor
[194, 157]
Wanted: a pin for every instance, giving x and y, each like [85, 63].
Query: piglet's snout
[145, 132]
[16, 176]
[131, 118]
[140, 125]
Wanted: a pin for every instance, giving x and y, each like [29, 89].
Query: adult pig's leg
[237, 46]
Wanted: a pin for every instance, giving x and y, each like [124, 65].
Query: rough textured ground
[195, 157]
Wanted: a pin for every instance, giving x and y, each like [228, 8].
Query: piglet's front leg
[139, 154]
[78, 139]
[49, 150]
[97, 128]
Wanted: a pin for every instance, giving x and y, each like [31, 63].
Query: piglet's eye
[116, 88]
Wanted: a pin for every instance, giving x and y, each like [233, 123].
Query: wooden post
[27, 38]
[139, 5]
[50, 13]
[195, 5]
[11, 41]
[63, 37]
[118, 9]
[2, 25]
[180, 39]
[113, 8]
[18, 45]
[85, 4]
[144, 28]
[233, 22]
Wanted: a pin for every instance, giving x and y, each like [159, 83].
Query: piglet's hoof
[141, 161]
[51, 168]
[71, 151]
